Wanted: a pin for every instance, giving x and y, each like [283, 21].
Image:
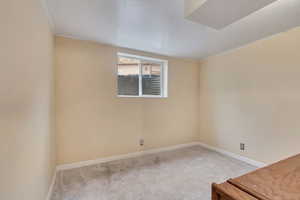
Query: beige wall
[252, 95]
[92, 122]
[26, 138]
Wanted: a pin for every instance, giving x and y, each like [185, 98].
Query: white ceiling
[159, 26]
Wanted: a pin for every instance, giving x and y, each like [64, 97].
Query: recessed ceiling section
[218, 14]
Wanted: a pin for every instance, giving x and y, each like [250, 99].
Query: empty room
[150, 100]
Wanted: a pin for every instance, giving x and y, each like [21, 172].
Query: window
[141, 76]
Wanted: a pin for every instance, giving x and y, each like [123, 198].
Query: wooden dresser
[279, 181]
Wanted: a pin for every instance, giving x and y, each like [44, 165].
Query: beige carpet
[184, 174]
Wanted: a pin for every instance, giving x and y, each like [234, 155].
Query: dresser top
[279, 181]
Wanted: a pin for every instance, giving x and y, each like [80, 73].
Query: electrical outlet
[242, 146]
[141, 142]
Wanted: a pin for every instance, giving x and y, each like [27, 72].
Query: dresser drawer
[226, 191]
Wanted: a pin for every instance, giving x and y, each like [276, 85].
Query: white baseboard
[147, 152]
[124, 156]
[51, 187]
[233, 155]
[152, 151]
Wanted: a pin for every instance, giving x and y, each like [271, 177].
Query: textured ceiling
[159, 26]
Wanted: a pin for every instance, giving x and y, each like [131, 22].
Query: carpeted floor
[184, 174]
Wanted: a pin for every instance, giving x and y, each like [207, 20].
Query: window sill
[144, 96]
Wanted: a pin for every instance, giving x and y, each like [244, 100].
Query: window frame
[163, 81]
